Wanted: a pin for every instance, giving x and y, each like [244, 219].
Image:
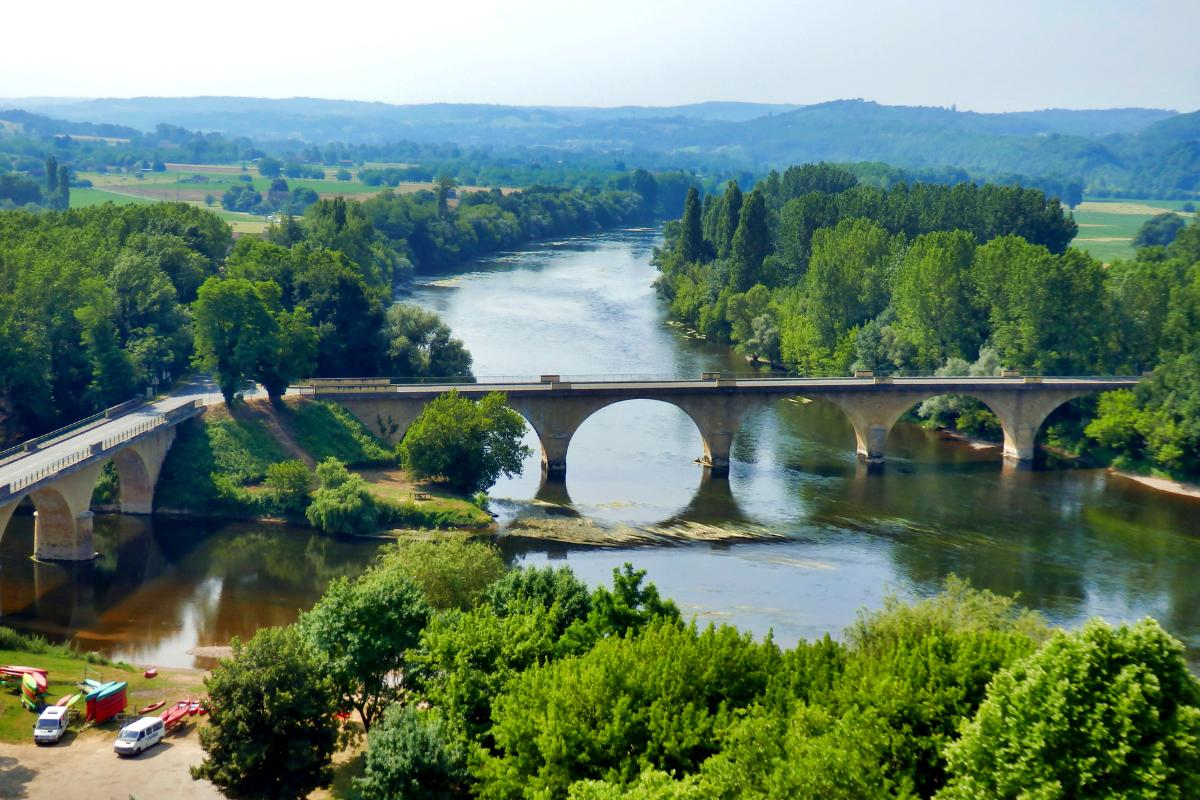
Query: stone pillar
[554, 417]
[59, 537]
[873, 411]
[718, 416]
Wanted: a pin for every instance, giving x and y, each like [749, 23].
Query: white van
[138, 736]
[51, 725]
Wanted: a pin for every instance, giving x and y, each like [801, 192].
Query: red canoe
[150, 672]
[194, 707]
[22, 670]
[153, 706]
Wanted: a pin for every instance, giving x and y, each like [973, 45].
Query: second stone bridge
[556, 408]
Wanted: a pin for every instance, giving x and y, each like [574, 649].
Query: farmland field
[1103, 221]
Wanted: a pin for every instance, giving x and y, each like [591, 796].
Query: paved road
[789, 385]
[14, 470]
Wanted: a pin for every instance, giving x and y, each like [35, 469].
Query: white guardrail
[93, 449]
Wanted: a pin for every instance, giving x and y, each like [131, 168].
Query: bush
[343, 504]
[1099, 713]
[290, 485]
[464, 443]
[451, 570]
[411, 515]
[411, 756]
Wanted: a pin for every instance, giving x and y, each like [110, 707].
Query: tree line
[98, 303]
[523, 683]
[815, 272]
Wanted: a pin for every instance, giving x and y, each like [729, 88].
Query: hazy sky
[979, 54]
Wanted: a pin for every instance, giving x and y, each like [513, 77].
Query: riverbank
[218, 466]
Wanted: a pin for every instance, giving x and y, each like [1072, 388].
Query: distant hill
[42, 126]
[1122, 149]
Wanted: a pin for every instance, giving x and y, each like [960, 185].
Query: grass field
[1095, 225]
[83, 198]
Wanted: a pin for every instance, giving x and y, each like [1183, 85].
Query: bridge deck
[952, 385]
[44, 463]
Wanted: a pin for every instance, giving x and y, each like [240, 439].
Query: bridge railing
[391, 384]
[97, 448]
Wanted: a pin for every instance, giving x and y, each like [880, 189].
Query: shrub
[289, 482]
[343, 504]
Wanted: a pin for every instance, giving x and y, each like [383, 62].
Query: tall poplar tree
[51, 178]
[751, 243]
[64, 188]
[691, 237]
[728, 219]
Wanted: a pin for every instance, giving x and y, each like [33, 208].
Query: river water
[821, 536]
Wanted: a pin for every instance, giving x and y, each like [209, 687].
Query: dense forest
[97, 303]
[813, 271]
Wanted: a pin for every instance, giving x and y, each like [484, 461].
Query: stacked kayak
[177, 713]
[106, 701]
[33, 690]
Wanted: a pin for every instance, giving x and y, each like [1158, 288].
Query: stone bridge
[556, 408]
[58, 472]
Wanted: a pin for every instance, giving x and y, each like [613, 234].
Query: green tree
[343, 504]
[691, 234]
[465, 443]
[1159, 231]
[362, 632]
[290, 485]
[288, 355]
[444, 185]
[1042, 307]
[419, 344]
[450, 570]
[751, 243]
[236, 327]
[343, 174]
[933, 298]
[1103, 712]
[51, 178]
[270, 167]
[847, 280]
[644, 184]
[651, 701]
[159, 166]
[411, 755]
[113, 376]
[209, 200]
[64, 188]
[550, 587]
[271, 733]
[728, 217]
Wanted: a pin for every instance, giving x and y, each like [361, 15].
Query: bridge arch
[137, 488]
[1021, 414]
[556, 419]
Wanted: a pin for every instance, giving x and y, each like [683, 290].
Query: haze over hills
[1150, 150]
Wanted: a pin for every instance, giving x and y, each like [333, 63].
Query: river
[821, 536]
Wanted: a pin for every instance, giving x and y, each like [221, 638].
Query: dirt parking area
[86, 768]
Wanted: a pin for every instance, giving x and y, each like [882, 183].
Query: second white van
[138, 736]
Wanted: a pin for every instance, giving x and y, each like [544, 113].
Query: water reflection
[162, 586]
